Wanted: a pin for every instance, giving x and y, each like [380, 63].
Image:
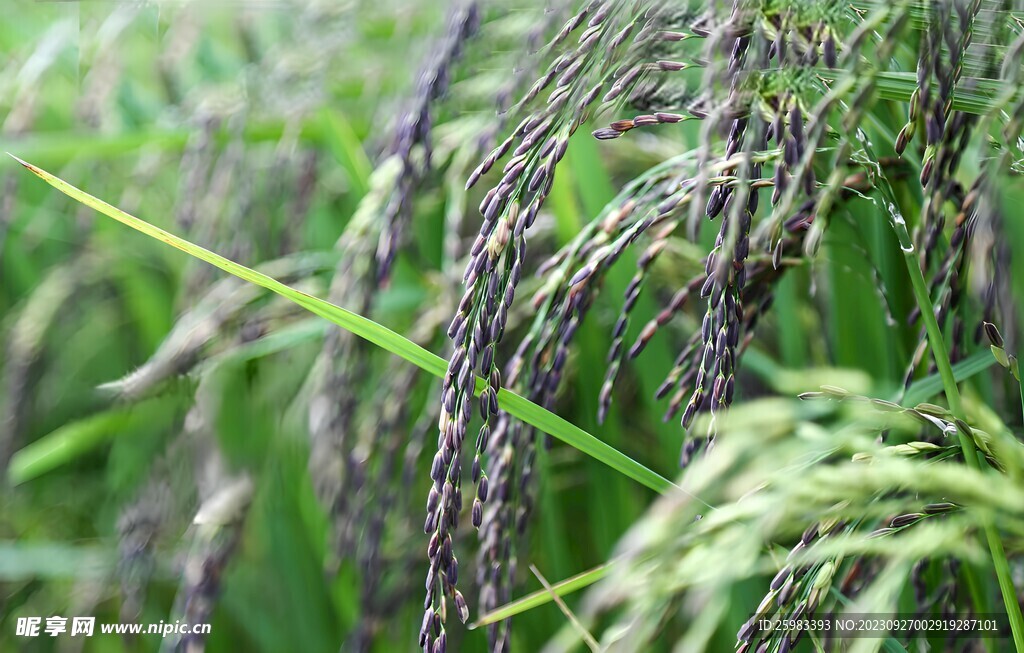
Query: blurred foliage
[157, 414]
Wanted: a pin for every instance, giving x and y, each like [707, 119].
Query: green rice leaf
[544, 596]
[930, 386]
[78, 437]
[379, 335]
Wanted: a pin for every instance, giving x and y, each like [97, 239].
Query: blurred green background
[255, 130]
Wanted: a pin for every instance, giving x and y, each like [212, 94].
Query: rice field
[558, 326]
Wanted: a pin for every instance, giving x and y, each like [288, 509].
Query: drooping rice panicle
[333, 404]
[726, 277]
[413, 130]
[728, 38]
[24, 344]
[945, 131]
[375, 503]
[948, 137]
[505, 98]
[138, 528]
[186, 345]
[216, 534]
[196, 163]
[509, 209]
[216, 528]
[535, 370]
[854, 76]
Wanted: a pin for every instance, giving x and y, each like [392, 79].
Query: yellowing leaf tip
[25, 163]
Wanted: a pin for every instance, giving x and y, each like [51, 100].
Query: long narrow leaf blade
[381, 336]
[77, 438]
[544, 596]
[930, 386]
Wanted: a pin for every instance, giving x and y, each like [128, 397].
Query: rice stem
[938, 347]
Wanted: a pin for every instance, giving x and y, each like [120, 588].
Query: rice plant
[588, 324]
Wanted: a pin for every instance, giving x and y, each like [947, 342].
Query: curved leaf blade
[379, 335]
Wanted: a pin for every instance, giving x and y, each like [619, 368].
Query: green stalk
[938, 347]
[1020, 386]
[544, 596]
